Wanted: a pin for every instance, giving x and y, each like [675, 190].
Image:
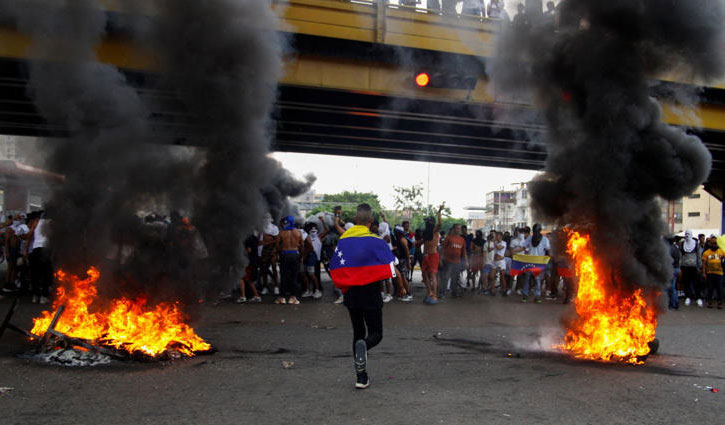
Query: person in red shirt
[455, 260]
[429, 265]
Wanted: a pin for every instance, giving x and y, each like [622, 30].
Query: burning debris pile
[220, 62]
[610, 325]
[609, 153]
[125, 326]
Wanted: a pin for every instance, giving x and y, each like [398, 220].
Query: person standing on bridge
[360, 261]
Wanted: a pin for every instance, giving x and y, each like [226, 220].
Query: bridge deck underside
[314, 120]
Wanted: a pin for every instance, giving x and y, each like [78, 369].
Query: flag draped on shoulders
[361, 258]
[528, 263]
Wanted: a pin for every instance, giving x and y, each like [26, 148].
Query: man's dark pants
[289, 268]
[714, 287]
[41, 272]
[367, 325]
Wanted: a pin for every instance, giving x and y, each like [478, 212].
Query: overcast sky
[458, 185]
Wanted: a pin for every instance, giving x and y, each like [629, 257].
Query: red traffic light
[422, 79]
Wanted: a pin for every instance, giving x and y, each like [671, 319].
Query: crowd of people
[25, 249]
[698, 271]
[482, 9]
[288, 263]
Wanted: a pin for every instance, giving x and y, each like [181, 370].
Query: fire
[126, 324]
[610, 325]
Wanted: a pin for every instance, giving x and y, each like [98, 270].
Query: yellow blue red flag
[528, 263]
[361, 258]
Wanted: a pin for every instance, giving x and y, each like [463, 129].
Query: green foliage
[409, 206]
[355, 198]
[349, 202]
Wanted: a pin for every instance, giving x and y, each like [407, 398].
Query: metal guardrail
[378, 21]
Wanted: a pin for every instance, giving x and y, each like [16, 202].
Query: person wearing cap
[289, 246]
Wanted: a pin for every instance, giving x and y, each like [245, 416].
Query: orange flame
[126, 324]
[610, 325]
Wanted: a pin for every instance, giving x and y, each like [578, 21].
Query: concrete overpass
[348, 89]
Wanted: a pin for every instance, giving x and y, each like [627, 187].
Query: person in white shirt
[536, 244]
[499, 261]
[38, 253]
[384, 232]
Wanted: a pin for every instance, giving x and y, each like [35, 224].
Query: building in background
[522, 206]
[307, 202]
[475, 218]
[699, 212]
[702, 213]
[500, 209]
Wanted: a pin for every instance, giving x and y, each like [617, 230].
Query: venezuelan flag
[528, 263]
[361, 258]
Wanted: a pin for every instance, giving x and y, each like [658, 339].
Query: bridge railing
[378, 21]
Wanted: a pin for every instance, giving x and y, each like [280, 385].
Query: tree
[354, 197]
[409, 199]
[349, 202]
[409, 206]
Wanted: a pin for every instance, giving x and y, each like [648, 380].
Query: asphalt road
[472, 360]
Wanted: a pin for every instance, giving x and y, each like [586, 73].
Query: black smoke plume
[590, 68]
[220, 59]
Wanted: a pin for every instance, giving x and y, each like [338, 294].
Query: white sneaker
[44, 300]
[276, 290]
[307, 294]
[317, 294]
[265, 291]
[241, 300]
[688, 301]
[387, 298]
[35, 299]
[293, 301]
[339, 300]
[699, 303]
[256, 300]
[407, 298]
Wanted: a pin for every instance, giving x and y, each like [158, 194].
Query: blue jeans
[537, 289]
[674, 301]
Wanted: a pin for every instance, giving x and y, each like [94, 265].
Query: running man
[360, 261]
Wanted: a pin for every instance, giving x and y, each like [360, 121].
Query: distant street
[466, 361]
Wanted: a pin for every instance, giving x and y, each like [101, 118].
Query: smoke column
[222, 60]
[609, 154]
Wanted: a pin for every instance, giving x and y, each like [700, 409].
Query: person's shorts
[430, 263]
[250, 273]
[310, 262]
[488, 268]
[500, 264]
[403, 267]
